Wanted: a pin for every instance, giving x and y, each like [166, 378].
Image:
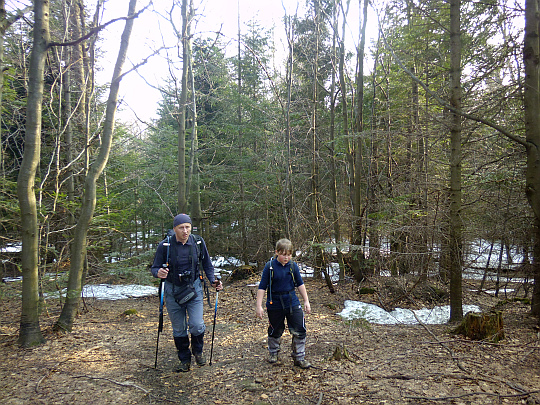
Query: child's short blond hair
[284, 246]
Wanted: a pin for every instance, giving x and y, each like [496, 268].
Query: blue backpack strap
[270, 283]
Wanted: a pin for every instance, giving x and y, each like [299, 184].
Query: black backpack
[200, 256]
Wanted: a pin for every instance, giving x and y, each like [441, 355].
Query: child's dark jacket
[283, 285]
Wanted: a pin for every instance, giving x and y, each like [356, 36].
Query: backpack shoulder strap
[167, 244]
[292, 264]
[271, 275]
[198, 243]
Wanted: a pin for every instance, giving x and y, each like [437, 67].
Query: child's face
[283, 257]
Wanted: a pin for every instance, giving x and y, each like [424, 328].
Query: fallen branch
[489, 394]
[396, 377]
[52, 369]
[481, 342]
[125, 384]
[513, 386]
[458, 362]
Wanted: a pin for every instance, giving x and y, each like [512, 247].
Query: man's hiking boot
[183, 367]
[302, 363]
[272, 358]
[200, 359]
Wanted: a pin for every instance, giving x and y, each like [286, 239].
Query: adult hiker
[280, 277]
[177, 262]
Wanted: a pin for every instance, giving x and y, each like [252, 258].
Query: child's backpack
[272, 276]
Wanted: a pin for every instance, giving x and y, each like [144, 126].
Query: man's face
[182, 232]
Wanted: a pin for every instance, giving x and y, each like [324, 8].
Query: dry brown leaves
[109, 358]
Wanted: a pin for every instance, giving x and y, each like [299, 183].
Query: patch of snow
[374, 314]
[11, 279]
[220, 261]
[11, 248]
[118, 292]
[501, 291]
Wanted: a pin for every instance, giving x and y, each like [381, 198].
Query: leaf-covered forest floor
[109, 356]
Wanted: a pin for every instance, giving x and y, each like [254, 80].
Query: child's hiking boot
[183, 367]
[272, 358]
[303, 363]
[200, 359]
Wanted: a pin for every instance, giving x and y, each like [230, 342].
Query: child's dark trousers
[297, 328]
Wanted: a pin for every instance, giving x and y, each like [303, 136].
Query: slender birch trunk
[30, 331]
[78, 252]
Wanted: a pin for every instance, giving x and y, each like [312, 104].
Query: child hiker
[280, 277]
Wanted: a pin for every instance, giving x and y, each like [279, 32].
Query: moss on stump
[484, 326]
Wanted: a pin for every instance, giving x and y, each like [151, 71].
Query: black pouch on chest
[184, 293]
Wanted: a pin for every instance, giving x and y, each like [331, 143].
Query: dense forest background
[397, 154]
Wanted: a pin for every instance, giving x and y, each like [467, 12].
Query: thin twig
[524, 394]
[441, 343]
[123, 384]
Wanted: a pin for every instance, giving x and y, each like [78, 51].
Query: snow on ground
[374, 314]
[118, 292]
[352, 310]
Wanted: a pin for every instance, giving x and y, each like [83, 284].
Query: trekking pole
[214, 328]
[161, 293]
[160, 325]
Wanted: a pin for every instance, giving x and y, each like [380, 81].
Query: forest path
[109, 357]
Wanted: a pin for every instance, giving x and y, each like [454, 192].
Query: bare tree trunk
[242, 219]
[333, 189]
[78, 253]
[3, 27]
[194, 185]
[30, 332]
[455, 224]
[358, 254]
[315, 180]
[531, 59]
[195, 195]
[75, 80]
[288, 195]
[182, 189]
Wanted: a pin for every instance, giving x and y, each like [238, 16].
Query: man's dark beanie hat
[181, 219]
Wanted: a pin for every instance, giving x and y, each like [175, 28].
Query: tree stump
[243, 272]
[341, 353]
[484, 326]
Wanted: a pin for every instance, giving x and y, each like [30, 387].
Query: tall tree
[194, 184]
[358, 147]
[30, 332]
[531, 59]
[332, 145]
[185, 40]
[455, 224]
[78, 253]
